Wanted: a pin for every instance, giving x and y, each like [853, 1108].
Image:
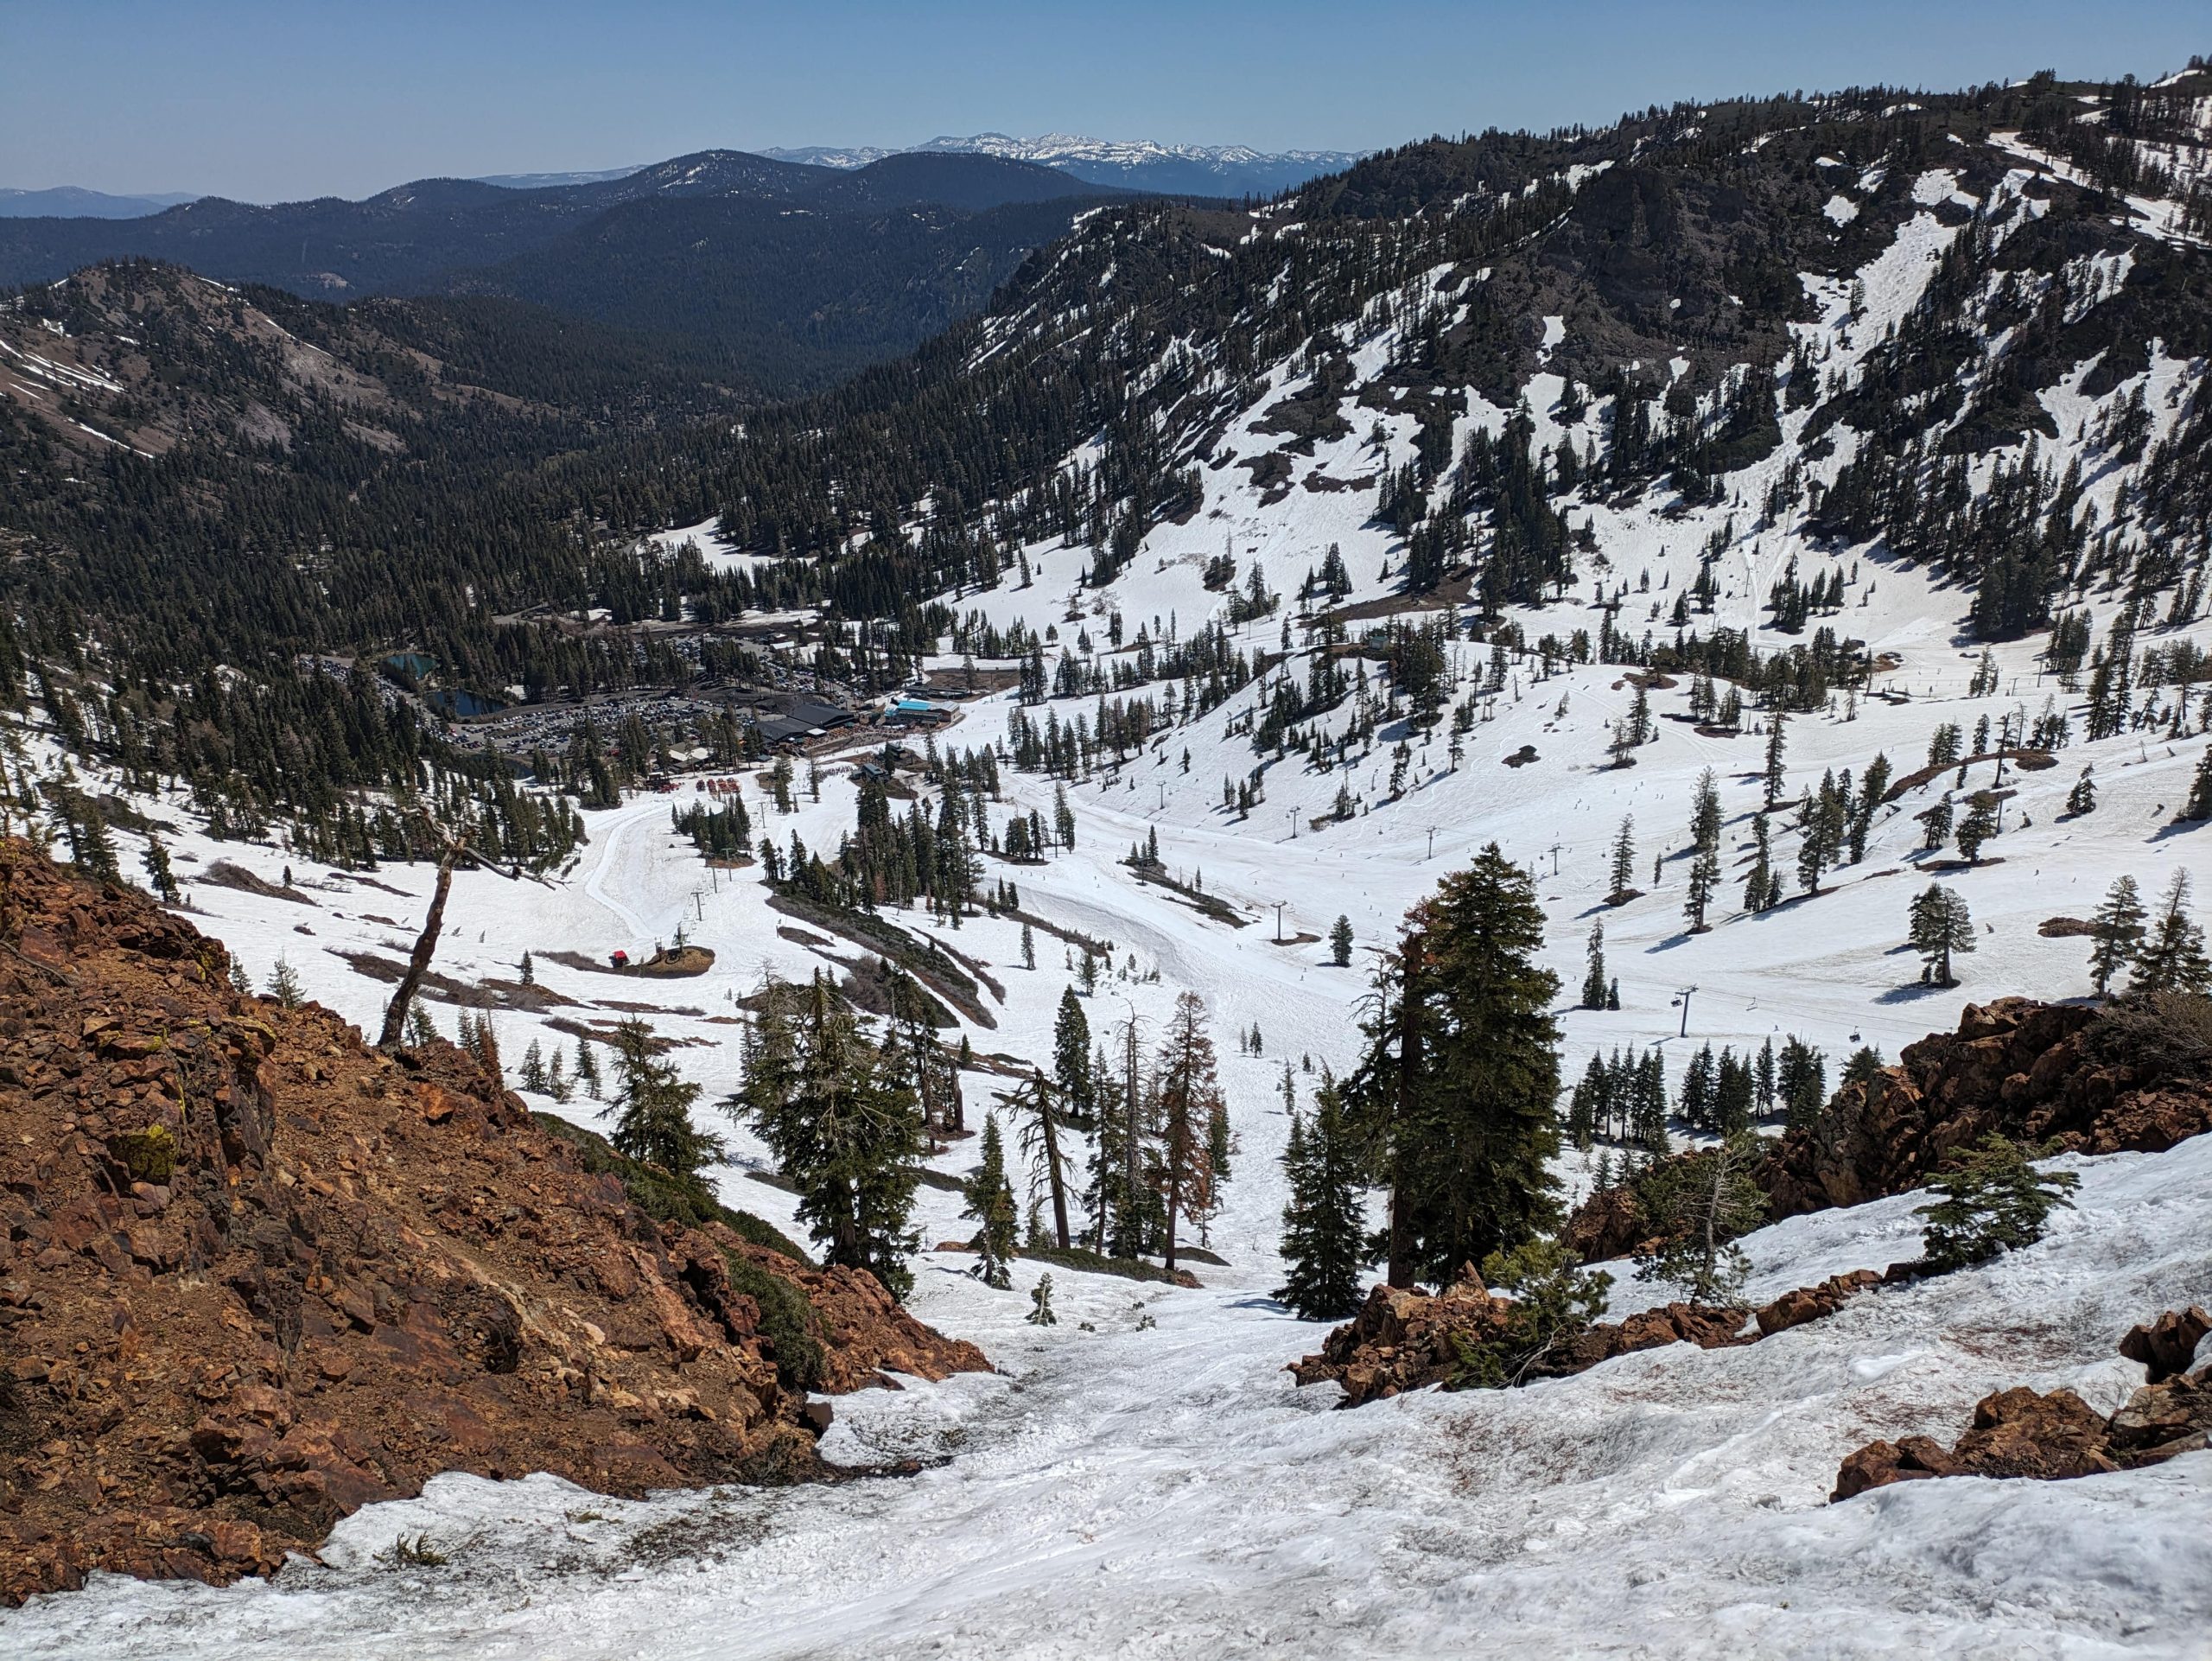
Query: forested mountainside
[776, 278]
[1923, 279]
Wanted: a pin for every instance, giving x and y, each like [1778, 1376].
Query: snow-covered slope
[1142, 1479]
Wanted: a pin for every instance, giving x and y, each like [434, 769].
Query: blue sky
[268, 101]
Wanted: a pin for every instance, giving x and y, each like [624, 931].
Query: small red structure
[621, 959]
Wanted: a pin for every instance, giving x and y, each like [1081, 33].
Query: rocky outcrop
[1405, 1338]
[2123, 1078]
[256, 1275]
[2026, 1433]
[2168, 1345]
[2034, 1072]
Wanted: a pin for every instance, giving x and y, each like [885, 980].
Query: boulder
[2167, 1346]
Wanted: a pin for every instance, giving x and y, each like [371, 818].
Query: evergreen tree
[587, 1067]
[1993, 1201]
[1460, 1071]
[284, 984]
[2082, 798]
[1699, 1204]
[1940, 926]
[1978, 825]
[1071, 1072]
[1704, 877]
[2173, 956]
[1936, 824]
[1040, 1303]
[1036, 1108]
[1028, 948]
[1324, 1223]
[1189, 1104]
[990, 1202]
[1774, 754]
[652, 1107]
[1760, 883]
[1593, 979]
[1340, 942]
[841, 1122]
[529, 970]
[2199, 805]
[1705, 814]
[2116, 932]
[1802, 1082]
[156, 859]
[1623, 865]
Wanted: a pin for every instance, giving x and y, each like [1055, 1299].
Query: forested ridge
[471, 487]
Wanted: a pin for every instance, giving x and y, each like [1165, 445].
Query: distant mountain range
[1135, 164]
[1138, 164]
[73, 202]
[766, 276]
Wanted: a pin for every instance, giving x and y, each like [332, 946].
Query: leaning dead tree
[451, 851]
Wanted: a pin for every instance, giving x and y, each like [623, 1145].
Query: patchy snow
[1840, 210]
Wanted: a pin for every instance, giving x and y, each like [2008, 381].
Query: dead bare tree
[452, 851]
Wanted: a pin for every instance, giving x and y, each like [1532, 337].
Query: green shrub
[1993, 1201]
[786, 1322]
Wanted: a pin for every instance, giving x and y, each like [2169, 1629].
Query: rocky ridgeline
[2126, 1078]
[1404, 1338]
[259, 1275]
[2026, 1433]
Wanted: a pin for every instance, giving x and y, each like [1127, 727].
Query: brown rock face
[254, 1274]
[2023, 1433]
[2018, 1067]
[2035, 1072]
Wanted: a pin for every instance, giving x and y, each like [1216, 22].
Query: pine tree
[2173, 956]
[157, 860]
[1993, 1201]
[1028, 948]
[1936, 824]
[1623, 865]
[2199, 805]
[1774, 754]
[533, 1074]
[1460, 1071]
[1044, 1132]
[1758, 885]
[990, 1202]
[1700, 1205]
[1704, 877]
[841, 1123]
[1324, 1223]
[284, 984]
[529, 970]
[1593, 978]
[652, 1107]
[2082, 798]
[1705, 814]
[1978, 825]
[587, 1067]
[1189, 1100]
[1071, 1072]
[1802, 1082]
[2117, 931]
[1340, 942]
[1940, 926]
